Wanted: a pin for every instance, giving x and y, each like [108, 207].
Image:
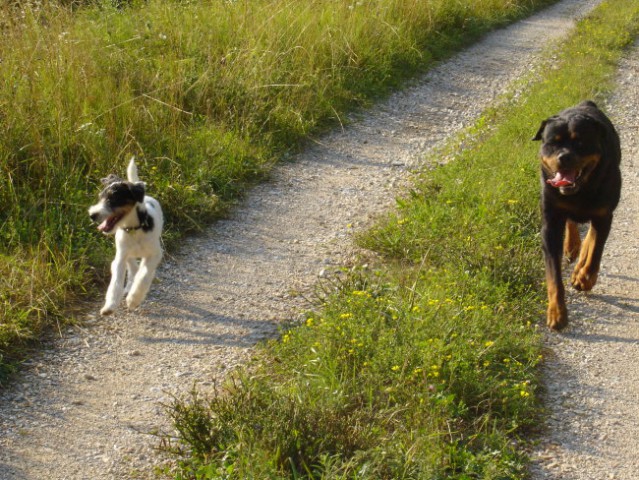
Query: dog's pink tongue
[103, 226]
[562, 179]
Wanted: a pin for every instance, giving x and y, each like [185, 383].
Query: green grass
[426, 367]
[207, 94]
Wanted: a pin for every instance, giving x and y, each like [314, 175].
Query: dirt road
[84, 407]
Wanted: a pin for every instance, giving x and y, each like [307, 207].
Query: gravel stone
[100, 396]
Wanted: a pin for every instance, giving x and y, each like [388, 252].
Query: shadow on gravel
[204, 326]
[601, 338]
[625, 278]
[624, 303]
[11, 473]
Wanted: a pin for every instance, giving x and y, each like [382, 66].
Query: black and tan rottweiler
[581, 182]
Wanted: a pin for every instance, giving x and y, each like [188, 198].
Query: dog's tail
[132, 171]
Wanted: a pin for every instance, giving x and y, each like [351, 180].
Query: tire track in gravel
[591, 374]
[83, 408]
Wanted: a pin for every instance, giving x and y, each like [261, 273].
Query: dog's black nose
[94, 217]
[564, 159]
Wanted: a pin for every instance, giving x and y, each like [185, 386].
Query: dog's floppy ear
[137, 189]
[540, 132]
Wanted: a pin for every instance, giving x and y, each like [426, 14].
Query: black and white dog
[136, 220]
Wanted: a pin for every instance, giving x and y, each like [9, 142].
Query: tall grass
[424, 368]
[207, 94]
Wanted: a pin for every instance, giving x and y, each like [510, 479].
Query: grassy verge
[426, 367]
[208, 94]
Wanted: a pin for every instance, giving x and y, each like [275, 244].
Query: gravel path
[83, 409]
[591, 373]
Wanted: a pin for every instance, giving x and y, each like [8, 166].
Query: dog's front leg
[142, 281]
[586, 271]
[115, 291]
[553, 237]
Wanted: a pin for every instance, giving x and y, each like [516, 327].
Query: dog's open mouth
[565, 179]
[109, 223]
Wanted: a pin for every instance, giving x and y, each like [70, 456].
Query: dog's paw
[557, 317]
[107, 310]
[133, 302]
[583, 280]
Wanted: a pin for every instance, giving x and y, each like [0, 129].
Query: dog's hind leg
[572, 241]
[142, 281]
[131, 272]
[115, 291]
